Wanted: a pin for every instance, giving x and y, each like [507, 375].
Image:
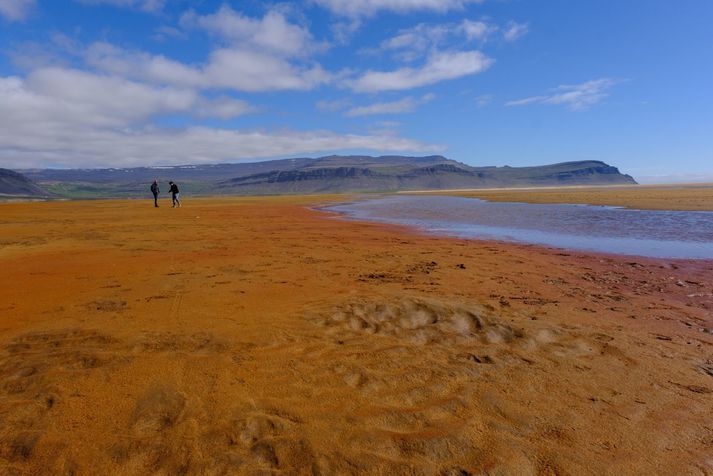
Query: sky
[120, 83]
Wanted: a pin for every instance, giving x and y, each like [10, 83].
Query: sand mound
[420, 321]
[413, 373]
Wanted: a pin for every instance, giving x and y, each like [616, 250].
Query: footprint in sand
[107, 305]
[420, 322]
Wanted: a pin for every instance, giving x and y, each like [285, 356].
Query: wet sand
[259, 336]
[645, 197]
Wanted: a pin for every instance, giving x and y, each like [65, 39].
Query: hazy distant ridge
[323, 175]
[405, 173]
[15, 184]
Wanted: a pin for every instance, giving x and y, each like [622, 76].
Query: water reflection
[654, 233]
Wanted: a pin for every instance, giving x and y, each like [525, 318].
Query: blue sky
[108, 83]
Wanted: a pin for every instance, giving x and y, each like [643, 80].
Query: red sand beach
[259, 336]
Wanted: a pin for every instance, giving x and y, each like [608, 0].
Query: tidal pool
[652, 233]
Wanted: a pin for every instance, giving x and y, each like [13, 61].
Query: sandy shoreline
[698, 196]
[255, 336]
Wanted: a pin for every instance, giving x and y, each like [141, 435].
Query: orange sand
[644, 197]
[257, 336]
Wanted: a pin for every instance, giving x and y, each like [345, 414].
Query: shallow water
[652, 233]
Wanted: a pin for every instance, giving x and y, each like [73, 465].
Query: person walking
[155, 191]
[175, 195]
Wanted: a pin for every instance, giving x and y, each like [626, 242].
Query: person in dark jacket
[175, 195]
[155, 191]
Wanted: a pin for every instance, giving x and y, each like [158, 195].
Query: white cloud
[528, 101]
[255, 54]
[151, 6]
[165, 32]
[360, 8]
[344, 30]
[246, 70]
[222, 107]
[515, 30]
[76, 119]
[476, 30]
[231, 68]
[273, 32]
[84, 99]
[407, 104]
[440, 66]
[14, 10]
[157, 68]
[59, 98]
[193, 145]
[575, 97]
[424, 40]
[483, 100]
[413, 43]
[60, 50]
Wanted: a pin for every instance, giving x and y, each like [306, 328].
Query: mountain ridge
[333, 173]
[16, 184]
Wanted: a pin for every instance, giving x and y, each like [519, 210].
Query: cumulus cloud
[439, 66]
[193, 145]
[402, 106]
[15, 10]
[343, 30]
[424, 35]
[151, 6]
[221, 107]
[273, 32]
[418, 38]
[476, 30]
[59, 98]
[413, 43]
[246, 70]
[410, 44]
[82, 98]
[140, 65]
[254, 54]
[576, 97]
[232, 68]
[362, 8]
[72, 118]
[514, 30]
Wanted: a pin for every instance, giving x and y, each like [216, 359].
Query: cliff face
[572, 173]
[321, 174]
[441, 169]
[449, 174]
[589, 171]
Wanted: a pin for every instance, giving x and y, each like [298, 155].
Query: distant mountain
[217, 172]
[15, 184]
[323, 175]
[342, 174]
